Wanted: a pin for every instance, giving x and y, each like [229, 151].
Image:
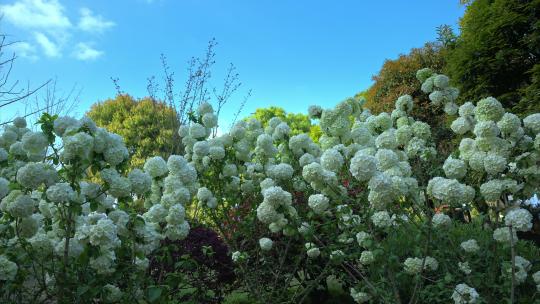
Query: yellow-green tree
[149, 127]
[299, 123]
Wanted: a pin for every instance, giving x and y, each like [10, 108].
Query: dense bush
[371, 213]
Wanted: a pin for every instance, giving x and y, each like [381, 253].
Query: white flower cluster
[497, 143]
[206, 197]
[450, 191]
[8, 269]
[359, 296]
[519, 219]
[439, 90]
[523, 266]
[414, 265]
[41, 198]
[174, 184]
[464, 294]
[382, 219]
[441, 220]
[312, 251]
[276, 205]
[265, 244]
[470, 246]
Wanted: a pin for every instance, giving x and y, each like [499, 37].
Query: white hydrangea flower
[312, 251]
[176, 215]
[414, 265]
[423, 74]
[140, 181]
[466, 109]
[4, 187]
[470, 246]
[34, 142]
[115, 152]
[209, 120]
[156, 166]
[230, 170]
[197, 131]
[359, 296]
[265, 244]
[404, 103]
[520, 219]
[441, 81]
[363, 238]
[201, 148]
[363, 166]
[421, 130]
[502, 235]
[104, 234]
[29, 226]
[8, 269]
[487, 129]
[381, 219]
[386, 159]
[332, 160]
[337, 255]
[366, 257]
[113, 294]
[79, 145]
[280, 172]
[464, 294]
[532, 123]
[489, 109]
[318, 203]
[464, 267]
[315, 112]
[22, 206]
[177, 232]
[494, 163]
[156, 214]
[60, 193]
[461, 125]
[104, 263]
[441, 220]
[65, 123]
[386, 140]
[454, 168]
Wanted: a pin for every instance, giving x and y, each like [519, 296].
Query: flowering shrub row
[373, 207]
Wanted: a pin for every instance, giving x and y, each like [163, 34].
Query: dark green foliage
[497, 53]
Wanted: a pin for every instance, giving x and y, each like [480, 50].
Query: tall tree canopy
[299, 123]
[148, 127]
[497, 53]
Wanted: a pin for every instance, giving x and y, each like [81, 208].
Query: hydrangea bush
[372, 210]
[68, 232]
[373, 205]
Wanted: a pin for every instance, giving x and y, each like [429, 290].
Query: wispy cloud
[36, 14]
[83, 51]
[50, 48]
[51, 31]
[24, 49]
[92, 23]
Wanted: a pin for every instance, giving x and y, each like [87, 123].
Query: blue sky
[290, 53]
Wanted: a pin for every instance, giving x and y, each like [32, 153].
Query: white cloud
[93, 23]
[44, 15]
[84, 51]
[24, 50]
[47, 23]
[50, 48]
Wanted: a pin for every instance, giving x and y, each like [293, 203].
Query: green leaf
[154, 293]
[82, 290]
